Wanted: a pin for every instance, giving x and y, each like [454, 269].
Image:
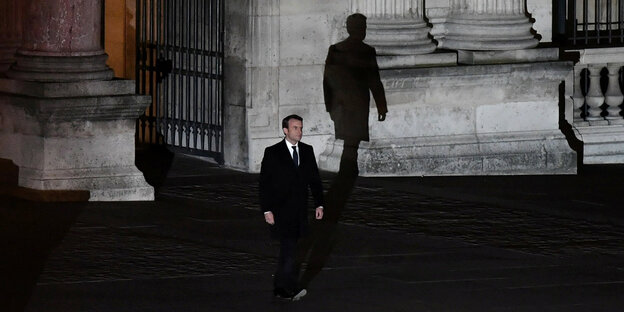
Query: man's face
[294, 131]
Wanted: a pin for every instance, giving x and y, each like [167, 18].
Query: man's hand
[381, 117]
[268, 217]
[319, 213]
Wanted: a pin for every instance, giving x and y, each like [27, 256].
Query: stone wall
[286, 50]
[288, 46]
[476, 120]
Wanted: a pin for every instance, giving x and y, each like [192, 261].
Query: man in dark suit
[288, 170]
[351, 70]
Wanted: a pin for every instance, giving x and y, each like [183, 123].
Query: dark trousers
[287, 274]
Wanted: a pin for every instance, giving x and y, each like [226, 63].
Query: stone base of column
[399, 36]
[489, 154]
[74, 136]
[488, 33]
[601, 144]
[60, 68]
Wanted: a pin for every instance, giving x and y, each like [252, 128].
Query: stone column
[395, 27]
[63, 122]
[61, 42]
[10, 31]
[488, 25]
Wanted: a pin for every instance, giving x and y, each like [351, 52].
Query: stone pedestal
[602, 144]
[63, 122]
[467, 120]
[74, 136]
[488, 25]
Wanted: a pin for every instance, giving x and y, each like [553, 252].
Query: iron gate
[180, 64]
[588, 23]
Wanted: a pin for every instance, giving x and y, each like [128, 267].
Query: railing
[598, 94]
[588, 23]
[180, 53]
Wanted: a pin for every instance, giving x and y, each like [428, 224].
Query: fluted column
[10, 31]
[395, 27]
[61, 42]
[488, 25]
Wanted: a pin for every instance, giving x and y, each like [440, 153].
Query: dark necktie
[295, 156]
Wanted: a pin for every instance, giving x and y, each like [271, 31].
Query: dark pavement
[530, 243]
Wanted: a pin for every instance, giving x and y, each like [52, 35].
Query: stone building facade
[474, 87]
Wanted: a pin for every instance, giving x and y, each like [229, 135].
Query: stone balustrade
[598, 94]
[596, 105]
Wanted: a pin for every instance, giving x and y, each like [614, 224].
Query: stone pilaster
[488, 25]
[62, 42]
[10, 31]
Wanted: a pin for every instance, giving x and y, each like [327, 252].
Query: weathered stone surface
[304, 39]
[467, 120]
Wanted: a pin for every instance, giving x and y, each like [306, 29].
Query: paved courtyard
[539, 243]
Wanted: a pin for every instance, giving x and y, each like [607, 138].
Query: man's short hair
[356, 22]
[289, 117]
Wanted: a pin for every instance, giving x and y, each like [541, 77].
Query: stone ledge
[67, 89]
[555, 70]
[540, 152]
[92, 108]
[410, 61]
[505, 57]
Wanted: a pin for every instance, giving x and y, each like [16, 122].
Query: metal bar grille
[180, 64]
[589, 23]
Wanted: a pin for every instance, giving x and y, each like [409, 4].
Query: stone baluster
[613, 95]
[61, 41]
[10, 31]
[395, 27]
[488, 25]
[578, 97]
[594, 97]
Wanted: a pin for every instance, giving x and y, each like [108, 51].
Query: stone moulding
[74, 136]
[602, 144]
[544, 152]
[467, 120]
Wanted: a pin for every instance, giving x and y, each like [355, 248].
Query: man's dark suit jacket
[350, 72]
[284, 188]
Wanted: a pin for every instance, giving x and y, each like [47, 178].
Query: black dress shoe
[299, 294]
